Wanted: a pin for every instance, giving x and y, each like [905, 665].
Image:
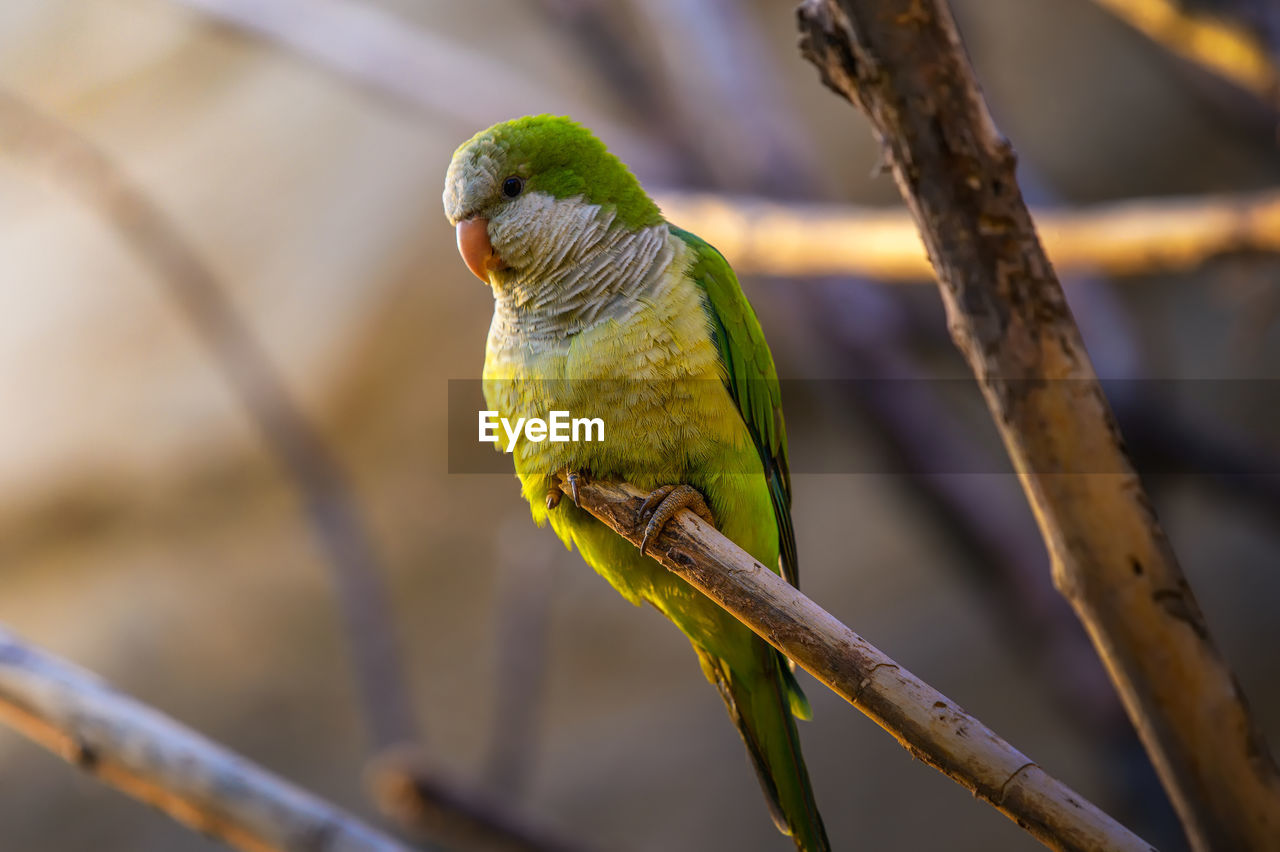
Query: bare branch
[1124, 238]
[901, 62]
[86, 173]
[1220, 46]
[159, 762]
[927, 723]
[425, 804]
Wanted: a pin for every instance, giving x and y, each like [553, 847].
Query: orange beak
[475, 248]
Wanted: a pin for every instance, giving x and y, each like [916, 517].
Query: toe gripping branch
[661, 506]
[554, 493]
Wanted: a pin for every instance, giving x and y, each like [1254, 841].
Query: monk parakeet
[602, 307]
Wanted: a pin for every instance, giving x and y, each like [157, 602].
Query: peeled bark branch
[154, 759]
[926, 722]
[902, 63]
[1136, 237]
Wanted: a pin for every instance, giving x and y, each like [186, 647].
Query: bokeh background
[150, 533]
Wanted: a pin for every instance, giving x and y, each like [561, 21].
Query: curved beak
[475, 248]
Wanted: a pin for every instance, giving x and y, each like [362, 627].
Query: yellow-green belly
[654, 378]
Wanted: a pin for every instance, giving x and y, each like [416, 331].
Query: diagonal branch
[902, 63]
[335, 521]
[154, 759]
[927, 723]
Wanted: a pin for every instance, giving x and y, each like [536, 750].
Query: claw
[555, 492]
[661, 506]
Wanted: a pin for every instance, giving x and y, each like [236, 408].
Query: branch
[142, 227]
[425, 804]
[761, 237]
[927, 723]
[901, 62]
[1226, 49]
[154, 759]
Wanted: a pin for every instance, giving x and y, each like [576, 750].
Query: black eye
[512, 186]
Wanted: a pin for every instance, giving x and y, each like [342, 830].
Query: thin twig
[425, 804]
[923, 720]
[1136, 237]
[152, 758]
[89, 175]
[901, 62]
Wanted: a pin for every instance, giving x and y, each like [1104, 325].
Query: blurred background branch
[376, 47]
[152, 758]
[426, 805]
[1211, 38]
[1143, 237]
[82, 170]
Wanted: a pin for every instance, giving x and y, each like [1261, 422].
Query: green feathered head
[543, 154]
[514, 190]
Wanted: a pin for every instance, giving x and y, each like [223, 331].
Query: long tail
[763, 704]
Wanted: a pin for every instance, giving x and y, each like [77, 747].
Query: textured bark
[928, 724]
[902, 63]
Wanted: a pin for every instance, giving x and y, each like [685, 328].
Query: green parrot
[603, 307]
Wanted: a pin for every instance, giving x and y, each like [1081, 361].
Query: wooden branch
[1222, 47]
[902, 63]
[927, 723]
[154, 759]
[1139, 237]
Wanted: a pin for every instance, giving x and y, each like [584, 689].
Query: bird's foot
[555, 492]
[662, 504]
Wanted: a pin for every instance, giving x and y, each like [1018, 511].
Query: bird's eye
[512, 186]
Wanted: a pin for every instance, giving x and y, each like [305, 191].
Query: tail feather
[762, 704]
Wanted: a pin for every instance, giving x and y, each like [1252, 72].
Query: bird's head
[529, 195]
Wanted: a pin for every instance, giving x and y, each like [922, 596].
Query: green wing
[752, 381]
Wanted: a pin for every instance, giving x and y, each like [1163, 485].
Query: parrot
[604, 305]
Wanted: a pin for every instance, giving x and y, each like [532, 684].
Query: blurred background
[199, 449]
